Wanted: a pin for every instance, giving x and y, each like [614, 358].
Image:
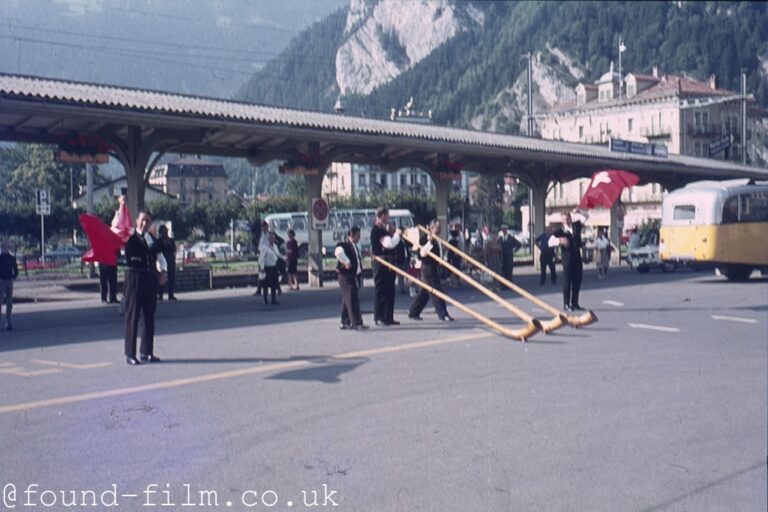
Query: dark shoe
[361, 327]
[344, 327]
[446, 318]
[275, 303]
[151, 358]
[415, 317]
[172, 298]
[393, 322]
[567, 308]
[132, 361]
[577, 308]
[9, 327]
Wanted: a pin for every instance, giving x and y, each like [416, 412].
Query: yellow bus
[721, 223]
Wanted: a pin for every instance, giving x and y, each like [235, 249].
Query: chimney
[655, 71]
[712, 82]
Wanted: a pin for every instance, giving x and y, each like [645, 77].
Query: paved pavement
[659, 406]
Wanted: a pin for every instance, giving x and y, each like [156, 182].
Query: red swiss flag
[606, 187]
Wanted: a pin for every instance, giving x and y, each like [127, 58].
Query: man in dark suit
[430, 274]
[167, 246]
[546, 256]
[349, 269]
[146, 270]
[384, 241]
[568, 237]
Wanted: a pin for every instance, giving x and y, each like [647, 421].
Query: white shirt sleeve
[390, 242]
[425, 249]
[580, 217]
[161, 263]
[341, 256]
[553, 241]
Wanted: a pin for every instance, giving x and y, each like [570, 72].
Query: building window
[210, 183]
[630, 124]
[361, 180]
[581, 132]
[697, 149]
[697, 120]
[704, 121]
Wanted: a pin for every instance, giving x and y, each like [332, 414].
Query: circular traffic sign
[320, 210]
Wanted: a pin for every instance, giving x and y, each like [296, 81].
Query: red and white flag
[606, 187]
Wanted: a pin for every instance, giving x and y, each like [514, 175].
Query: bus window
[684, 212]
[731, 210]
[299, 224]
[405, 222]
[273, 225]
[284, 225]
[754, 207]
[358, 219]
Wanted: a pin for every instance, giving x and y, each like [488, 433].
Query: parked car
[63, 254]
[646, 257]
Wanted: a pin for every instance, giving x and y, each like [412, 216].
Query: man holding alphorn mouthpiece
[568, 237]
[430, 274]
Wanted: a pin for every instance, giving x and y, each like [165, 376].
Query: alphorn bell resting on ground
[559, 318]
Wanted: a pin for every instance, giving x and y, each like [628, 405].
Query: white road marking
[614, 303]
[734, 319]
[654, 327]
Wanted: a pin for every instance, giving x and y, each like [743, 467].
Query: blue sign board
[638, 148]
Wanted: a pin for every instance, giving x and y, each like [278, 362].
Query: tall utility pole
[622, 48]
[529, 126]
[743, 118]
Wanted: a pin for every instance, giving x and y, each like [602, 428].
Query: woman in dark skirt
[268, 263]
[292, 259]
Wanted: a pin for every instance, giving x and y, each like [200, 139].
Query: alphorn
[528, 319]
[559, 319]
[519, 334]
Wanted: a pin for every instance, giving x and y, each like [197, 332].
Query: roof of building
[54, 97]
[645, 78]
[192, 167]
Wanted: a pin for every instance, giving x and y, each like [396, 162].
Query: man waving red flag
[606, 187]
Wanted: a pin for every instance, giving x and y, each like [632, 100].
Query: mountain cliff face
[383, 38]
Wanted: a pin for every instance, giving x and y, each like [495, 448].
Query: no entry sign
[320, 211]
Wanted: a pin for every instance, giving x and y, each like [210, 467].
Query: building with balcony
[191, 180]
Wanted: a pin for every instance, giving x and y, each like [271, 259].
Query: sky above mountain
[206, 47]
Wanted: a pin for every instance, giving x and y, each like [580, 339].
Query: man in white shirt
[568, 237]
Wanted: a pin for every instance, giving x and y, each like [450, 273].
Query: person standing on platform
[9, 271]
[509, 244]
[146, 270]
[292, 260]
[268, 263]
[494, 258]
[384, 241]
[568, 237]
[546, 257]
[350, 270]
[603, 248]
[430, 274]
[108, 282]
[168, 248]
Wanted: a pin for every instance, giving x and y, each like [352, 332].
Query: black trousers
[572, 274]
[350, 301]
[170, 285]
[271, 283]
[432, 278]
[140, 298]
[108, 282]
[545, 262]
[383, 293]
[507, 266]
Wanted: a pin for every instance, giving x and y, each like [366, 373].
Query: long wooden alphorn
[488, 293]
[560, 318]
[520, 334]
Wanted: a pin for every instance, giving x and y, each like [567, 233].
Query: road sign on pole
[43, 208]
[320, 213]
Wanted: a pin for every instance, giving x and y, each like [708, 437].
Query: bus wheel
[738, 272]
[643, 268]
[668, 266]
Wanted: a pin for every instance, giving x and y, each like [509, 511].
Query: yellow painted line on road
[72, 365]
[217, 376]
[6, 365]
